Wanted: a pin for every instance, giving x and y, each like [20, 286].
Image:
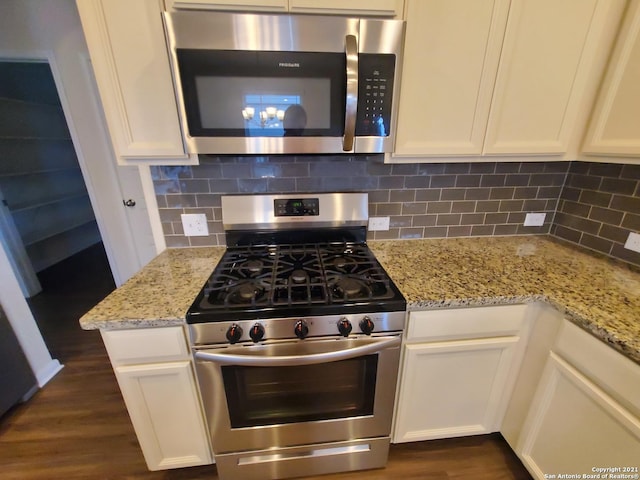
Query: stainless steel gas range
[296, 337]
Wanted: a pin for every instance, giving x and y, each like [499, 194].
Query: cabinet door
[615, 124]
[452, 389]
[451, 55]
[383, 8]
[547, 57]
[164, 407]
[131, 66]
[573, 426]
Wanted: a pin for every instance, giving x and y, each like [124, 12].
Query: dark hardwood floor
[77, 426]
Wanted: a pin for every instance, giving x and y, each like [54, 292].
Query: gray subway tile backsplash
[598, 207]
[423, 200]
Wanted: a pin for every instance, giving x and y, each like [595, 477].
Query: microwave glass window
[264, 115]
[262, 106]
[263, 94]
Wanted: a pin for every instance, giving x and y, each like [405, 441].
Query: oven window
[263, 94]
[278, 395]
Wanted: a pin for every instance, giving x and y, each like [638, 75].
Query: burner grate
[294, 275]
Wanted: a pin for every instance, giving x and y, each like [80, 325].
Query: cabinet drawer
[145, 345]
[458, 323]
[617, 375]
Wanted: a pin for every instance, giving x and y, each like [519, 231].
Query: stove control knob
[234, 334]
[301, 329]
[344, 327]
[256, 333]
[366, 325]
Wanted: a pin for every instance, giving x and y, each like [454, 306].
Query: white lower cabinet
[454, 386]
[161, 396]
[575, 427]
[583, 416]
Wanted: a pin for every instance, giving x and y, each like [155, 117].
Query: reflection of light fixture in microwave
[266, 116]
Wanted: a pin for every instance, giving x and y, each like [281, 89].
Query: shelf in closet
[44, 202]
[50, 234]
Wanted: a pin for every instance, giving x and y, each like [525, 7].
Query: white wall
[24, 325]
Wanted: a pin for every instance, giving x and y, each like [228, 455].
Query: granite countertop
[158, 295]
[599, 295]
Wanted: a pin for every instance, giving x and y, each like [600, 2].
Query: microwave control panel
[375, 87]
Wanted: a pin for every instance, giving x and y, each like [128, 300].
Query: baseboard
[32, 391]
[48, 372]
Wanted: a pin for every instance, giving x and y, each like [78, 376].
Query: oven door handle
[291, 360]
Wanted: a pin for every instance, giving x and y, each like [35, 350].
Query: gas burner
[341, 261]
[349, 288]
[253, 265]
[245, 293]
[299, 276]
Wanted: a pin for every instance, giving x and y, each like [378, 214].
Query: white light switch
[534, 219]
[195, 224]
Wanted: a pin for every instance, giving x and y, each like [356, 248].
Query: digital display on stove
[296, 207]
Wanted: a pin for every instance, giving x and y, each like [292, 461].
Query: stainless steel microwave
[272, 84]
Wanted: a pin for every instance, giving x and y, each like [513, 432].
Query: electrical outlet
[633, 242]
[534, 219]
[195, 224]
[378, 223]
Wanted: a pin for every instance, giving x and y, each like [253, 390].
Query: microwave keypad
[374, 94]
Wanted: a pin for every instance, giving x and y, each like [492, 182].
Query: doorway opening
[47, 223]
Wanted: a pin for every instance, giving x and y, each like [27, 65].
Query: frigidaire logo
[289, 64]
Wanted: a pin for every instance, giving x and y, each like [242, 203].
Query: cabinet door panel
[385, 8]
[573, 426]
[163, 404]
[451, 55]
[452, 389]
[615, 126]
[131, 65]
[541, 75]
[234, 5]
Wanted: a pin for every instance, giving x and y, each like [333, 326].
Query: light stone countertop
[158, 295]
[601, 296]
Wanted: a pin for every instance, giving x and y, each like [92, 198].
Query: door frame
[98, 167]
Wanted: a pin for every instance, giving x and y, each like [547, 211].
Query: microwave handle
[376, 345]
[351, 53]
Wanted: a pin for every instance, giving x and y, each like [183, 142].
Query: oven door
[289, 393]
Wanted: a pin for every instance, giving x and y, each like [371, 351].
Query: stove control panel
[252, 331]
[296, 207]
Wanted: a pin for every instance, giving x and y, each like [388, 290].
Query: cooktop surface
[252, 282]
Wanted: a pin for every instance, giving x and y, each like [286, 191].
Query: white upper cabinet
[131, 66]
[545, 62]
[485, 77]
[451, 54]
[615, 124]
[381, 8]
